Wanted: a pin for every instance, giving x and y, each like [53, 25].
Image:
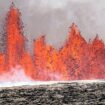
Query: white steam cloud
[15, 75]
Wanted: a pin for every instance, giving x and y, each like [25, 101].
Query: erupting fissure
[76, 60]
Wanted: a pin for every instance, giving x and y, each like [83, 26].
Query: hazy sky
[53, 18]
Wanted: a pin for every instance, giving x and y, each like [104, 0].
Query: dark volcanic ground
[74, 93]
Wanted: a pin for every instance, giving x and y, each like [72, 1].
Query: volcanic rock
[63, 93]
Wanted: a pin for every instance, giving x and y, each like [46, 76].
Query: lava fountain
[77, 59]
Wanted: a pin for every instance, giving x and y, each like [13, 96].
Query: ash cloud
[53, 18]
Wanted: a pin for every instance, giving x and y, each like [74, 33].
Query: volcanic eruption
[77, 59]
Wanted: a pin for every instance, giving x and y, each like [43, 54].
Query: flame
[48, 62]
[77, 59]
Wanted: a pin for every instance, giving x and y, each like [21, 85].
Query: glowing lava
[76, 60]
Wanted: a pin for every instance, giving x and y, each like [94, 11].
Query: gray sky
[53, 18]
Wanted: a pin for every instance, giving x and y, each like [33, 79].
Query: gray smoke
[53, 18]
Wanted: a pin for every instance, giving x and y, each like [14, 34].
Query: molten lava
[76, 60]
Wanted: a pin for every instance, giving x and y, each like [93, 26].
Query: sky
[54, 17]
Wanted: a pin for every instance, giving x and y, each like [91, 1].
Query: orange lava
[76, 60]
